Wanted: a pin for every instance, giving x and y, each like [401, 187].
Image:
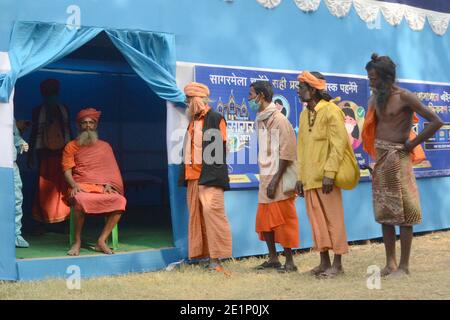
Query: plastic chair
[114, 233]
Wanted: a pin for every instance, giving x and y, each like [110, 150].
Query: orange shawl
[368, 137]
[96, 164]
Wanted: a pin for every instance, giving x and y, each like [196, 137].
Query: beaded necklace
[312, 114]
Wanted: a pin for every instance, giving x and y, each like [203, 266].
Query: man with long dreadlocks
[387, 137]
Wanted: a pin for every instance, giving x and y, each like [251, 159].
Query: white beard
[87, 138]
[188, 113]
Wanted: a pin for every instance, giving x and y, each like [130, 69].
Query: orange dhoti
[326, 215]
[94, 201]
[209, 230]
[279, 217]
[49, 206]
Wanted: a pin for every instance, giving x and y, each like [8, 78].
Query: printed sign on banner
[437, 148]
[229, 89]
[353, 93]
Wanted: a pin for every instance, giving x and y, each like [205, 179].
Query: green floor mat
[130, 239]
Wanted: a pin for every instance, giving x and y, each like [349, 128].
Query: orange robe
[209, 230]
[193, 153]
[369, 133]
[277, 215]
[280, 218]
[49, 205]
[326, 215]
[93, 167]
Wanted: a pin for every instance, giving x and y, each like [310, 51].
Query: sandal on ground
[268, 265]
[286, 269]
[219, 268]
[316, 271]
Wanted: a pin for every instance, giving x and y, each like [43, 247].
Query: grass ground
[429, 279]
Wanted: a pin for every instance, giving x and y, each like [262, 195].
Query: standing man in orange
[322, 142]
[49, 134]
[205, 173]
[276, 218]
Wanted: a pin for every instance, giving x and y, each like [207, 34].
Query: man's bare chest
[395, 110]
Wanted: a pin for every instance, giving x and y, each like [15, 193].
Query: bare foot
[318, 270]
[102, 247]
[75, 249]
[387, 271]
[399, 273]
[331, 272]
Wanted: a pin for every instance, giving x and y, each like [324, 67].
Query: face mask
[349, 127]
[253, 105]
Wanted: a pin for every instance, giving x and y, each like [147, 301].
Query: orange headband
[88, 113]
[195, 89]
[314, 82]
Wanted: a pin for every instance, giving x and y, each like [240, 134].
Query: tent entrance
[134, 123]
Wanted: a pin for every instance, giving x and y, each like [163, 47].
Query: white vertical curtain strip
[177, 120]
[369, 10]
[6, 120]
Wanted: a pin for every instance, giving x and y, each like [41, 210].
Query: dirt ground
[429, 279]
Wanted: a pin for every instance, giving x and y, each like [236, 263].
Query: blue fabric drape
[152, 57]
[34, 45]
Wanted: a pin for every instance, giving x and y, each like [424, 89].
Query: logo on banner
[239, 125]
[354, 121]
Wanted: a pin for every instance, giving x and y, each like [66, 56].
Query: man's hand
[23, 125]
[109, 189]
[408, 146]
[76, 188]
[24, 147]
[272, 187]
[299, 189]
[327, 185]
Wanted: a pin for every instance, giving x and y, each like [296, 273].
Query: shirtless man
[387, 138]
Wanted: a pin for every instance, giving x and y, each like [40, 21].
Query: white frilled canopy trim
[369, 10]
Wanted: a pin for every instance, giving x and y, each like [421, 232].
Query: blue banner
[229, 92]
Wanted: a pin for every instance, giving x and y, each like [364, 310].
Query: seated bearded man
[93, 175]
